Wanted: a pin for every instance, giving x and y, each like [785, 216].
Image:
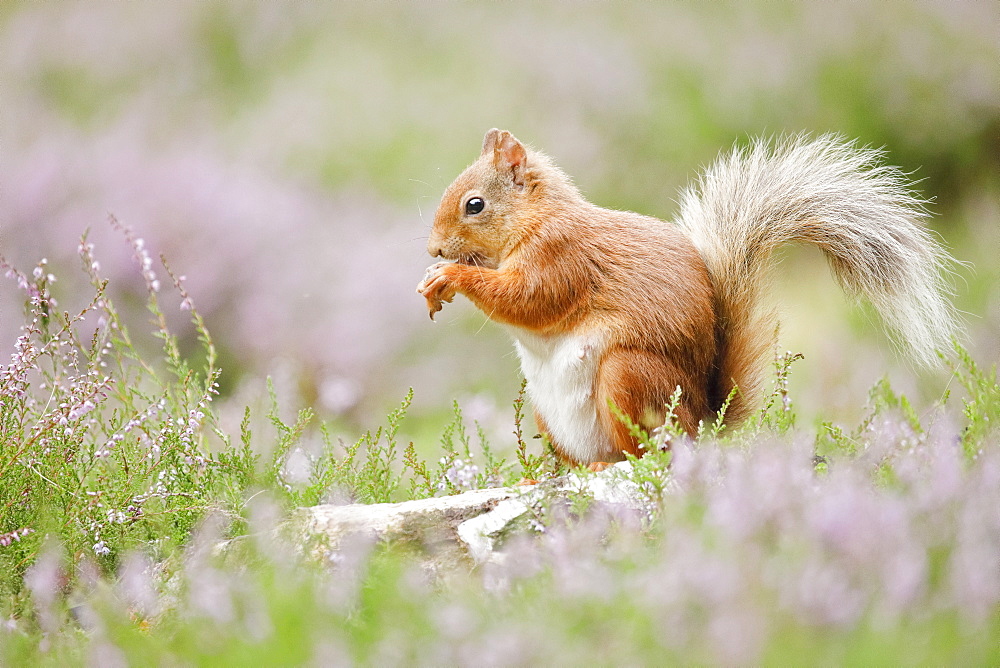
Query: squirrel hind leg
[640, 384]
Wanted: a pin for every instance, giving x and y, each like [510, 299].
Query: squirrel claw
[435, 288]
[433, 306]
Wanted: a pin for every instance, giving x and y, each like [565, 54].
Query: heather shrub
[102, 450]
[135, 529]
[753, 556]
[105, 450]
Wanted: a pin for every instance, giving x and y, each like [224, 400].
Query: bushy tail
[839, 197]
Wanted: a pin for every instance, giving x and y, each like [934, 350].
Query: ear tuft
[490, 141]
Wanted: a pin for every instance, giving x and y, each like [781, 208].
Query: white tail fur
[839, 197]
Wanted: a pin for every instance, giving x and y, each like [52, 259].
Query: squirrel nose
[434, 248]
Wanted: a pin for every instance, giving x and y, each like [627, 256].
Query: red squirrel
[615, 307]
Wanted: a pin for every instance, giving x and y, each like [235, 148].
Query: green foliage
[105, 450]
[142, 479]
[982, 405]
[371, 478]
[883, 399]
[100, 450]
[719, 423]
[531, 465]
[777, 413]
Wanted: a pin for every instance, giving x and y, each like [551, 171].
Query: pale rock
[457, 528]
[430, 523]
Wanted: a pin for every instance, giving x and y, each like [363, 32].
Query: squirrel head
[486, 209]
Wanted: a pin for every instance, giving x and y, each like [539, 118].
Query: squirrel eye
[474, 206]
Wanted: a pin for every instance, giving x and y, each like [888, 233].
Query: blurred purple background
[287, 158]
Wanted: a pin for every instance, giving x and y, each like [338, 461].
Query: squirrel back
[610, 307]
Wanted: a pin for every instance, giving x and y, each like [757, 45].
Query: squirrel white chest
[562, 373]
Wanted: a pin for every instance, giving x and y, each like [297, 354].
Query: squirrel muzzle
[436, 245]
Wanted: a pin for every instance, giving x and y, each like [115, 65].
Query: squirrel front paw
[436, 287]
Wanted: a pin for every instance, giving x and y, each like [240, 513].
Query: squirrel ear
[511, 157]
[508, 154]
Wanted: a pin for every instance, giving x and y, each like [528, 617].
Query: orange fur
[604, 305]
